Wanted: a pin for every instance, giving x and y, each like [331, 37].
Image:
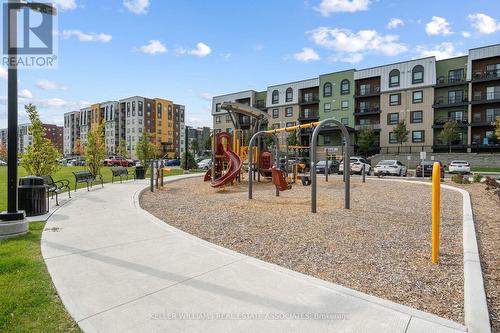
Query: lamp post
[13, 6]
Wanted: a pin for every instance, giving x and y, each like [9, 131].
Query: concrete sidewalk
[119, 269]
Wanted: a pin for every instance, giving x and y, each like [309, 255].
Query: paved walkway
[119, 269]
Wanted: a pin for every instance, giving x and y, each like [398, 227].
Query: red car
[118, 161]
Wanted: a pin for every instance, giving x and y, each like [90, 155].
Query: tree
[450, 132]
[497, 127]
[366, 139]
[122, 150]
[190, 161]
[145, 149]
[95, 150]
[207, 144]
[78, 147]
[40, 158]
[3, 152]
[195, 146]
[292, 139]
[401, 133]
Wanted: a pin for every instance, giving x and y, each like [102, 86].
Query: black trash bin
[140, 172]
[32, 196]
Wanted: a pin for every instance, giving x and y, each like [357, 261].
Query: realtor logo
[34, 25]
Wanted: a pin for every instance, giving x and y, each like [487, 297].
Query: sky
[190, 51]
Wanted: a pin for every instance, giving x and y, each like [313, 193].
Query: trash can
[32, 196]
[140, 173]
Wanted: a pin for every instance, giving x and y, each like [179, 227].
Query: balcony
[447, 102]
[373, 125]
[367, 92]
[309, 99]
[367, 111]
[486, 75]
[449, 81]
[480, 97]
[308, 115]
[461, 121]
[487, 120]
[261, 105]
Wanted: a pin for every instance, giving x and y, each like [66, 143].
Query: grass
[479, 169]
[28, 299]
[65, 172]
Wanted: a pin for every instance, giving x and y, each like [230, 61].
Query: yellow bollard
[436, 210]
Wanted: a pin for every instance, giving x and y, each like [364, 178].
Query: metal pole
[363, 172]
[327, 170]
[250, 157]
[258, 159]
[161, 179]
[186, 147]
[157, 165]
[152, 187]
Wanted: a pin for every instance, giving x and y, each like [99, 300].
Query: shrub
[459, 179]
[477, 178]
[95, 150]
[491, 183]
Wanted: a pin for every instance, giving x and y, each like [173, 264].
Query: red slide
[235, 164]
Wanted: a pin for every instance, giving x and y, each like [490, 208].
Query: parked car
[357, 164]
[390, 167]
[459, 167]
[173, 163]
[205, 164]
[3, 163]
[333, 166]
[77, 161]
[118, 161]
[427, 169]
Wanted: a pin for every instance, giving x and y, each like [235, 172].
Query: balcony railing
[484, 120]
[486, 75]
[481, 96]
[368, 91]
[442, 100]
[308, 115]
[310, 98]
[370, 110]
[461, 121]
[445, 80]
[260, 105]
[374, 125]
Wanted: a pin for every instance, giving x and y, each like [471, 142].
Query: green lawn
[479, 169]
[28, 299]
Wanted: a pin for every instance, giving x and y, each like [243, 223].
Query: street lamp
[12, 214]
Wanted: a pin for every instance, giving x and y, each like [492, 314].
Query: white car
[357, 165]
[205, 164]
[3, 163]
[459, 167]
[390, 167]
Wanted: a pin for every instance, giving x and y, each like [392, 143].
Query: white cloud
[201, 50]
[53, 102]
[438, 26]
[326, 7]
[49, 85]
[483, 23]
[137, 6]
[306, 55]
[207, 96]
[466, 34]
[394, 23]
[154, 47]
[87, 37]
[344, 40]
[65, 4]
[441, 51]
[226, 56]
[25, 93]
[3, 73]
[354, 58]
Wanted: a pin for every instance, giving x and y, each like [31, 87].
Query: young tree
[195, 146]
[401, 133]
[497, 127]
[366, 139]
[145, 149]
[292, 139]
[450, 132]
[78, 147]
[122, 150]
[40, 158]
[95, 150]
[207, 144]
[3, 152]
[190, 161]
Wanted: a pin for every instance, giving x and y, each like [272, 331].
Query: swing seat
[279, 180]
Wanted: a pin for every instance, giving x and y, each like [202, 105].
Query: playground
[380, 246]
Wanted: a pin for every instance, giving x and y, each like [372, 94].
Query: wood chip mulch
[381, 246]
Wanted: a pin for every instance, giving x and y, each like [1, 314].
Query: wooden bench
[121, 172]
[56, 187]
[86, 177]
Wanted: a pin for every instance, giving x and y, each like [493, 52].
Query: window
[344, 87]
[455, 96]
[289, 112]
[276, 113]
[228, 118]
[128, 109]
[418, 96]
[327, 89]
[364, 89]
[217, 107]
[417, 136]
[394, 78]
[491, 114]
[392, 118]
[364, 106]
[344, 105]
[327, 107]
[456, 75]
[276, 126]
[493, 93]
[392, 137]
[456, 115]
[217, 120]
[395, 99]
[158, 111]
[417, 74]
[275, 97]
[290, 124]
[416, 117]
[345, 121]
[327, 139]
[289, 95]
[492, 70]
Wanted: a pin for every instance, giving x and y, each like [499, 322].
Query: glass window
[344, 87]
[327, 89]
[392, 118]
[364, 89]
[289, 112]
[392, 137]
[492, 70]
[417, 136]
[275, 97]
[228, 118]
[417, 74]
[217, 107]
[158, 110]
[493, 93]
[456, 75]
[416, 117]
[455, 96]
[276, 113]
[327, 107]
[276, 126]
[394, 78]
[289, 95]
[491, 114]
[395, 99]
[345, 121]
[327, 139]
[217, 120]
[290, 124]
[344, 105]
[418, 96]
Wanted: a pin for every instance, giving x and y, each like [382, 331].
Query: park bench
[121, 172]
[54, 187]
[86, 177]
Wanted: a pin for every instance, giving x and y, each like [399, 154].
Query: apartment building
[125, 121]
[223, 121]
[52, 132]
[71, 131]
[424, 93]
